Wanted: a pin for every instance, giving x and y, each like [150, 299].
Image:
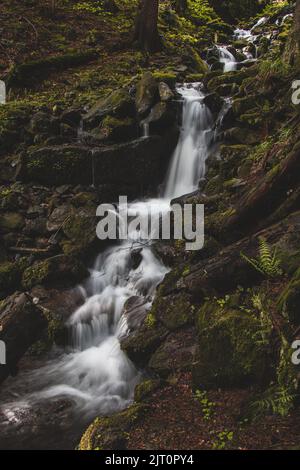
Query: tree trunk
[146, 31]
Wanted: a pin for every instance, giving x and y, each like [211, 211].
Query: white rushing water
[95, 373]
[228, 59]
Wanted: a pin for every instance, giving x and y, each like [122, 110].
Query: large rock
[231, 351]
[161, 116]
[135, 163]
[21, 323]
[118, 104]
[146, 93]
[56, 269]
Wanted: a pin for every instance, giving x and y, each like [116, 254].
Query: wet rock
[116, 129]
[140, 345]
[71, 116]
[135, 312]
[60, 268]
[21, 323]
[165, 92]
[214, 102]
[160, 117]
[146, 93]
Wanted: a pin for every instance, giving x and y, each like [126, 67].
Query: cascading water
[228, 59]
[188, 163]
[95, 374]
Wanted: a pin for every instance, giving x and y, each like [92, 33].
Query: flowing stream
[94, 373]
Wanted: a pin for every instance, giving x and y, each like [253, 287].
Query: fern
[276, 400]
[267, 262]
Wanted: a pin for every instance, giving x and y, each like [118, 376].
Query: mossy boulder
[111, 433]
[146, 93]
[119, 104]
[230, 353]
[173, 311]
[11, 221]
[80, 230]
[59, 268]
[118, 129]
[243, 135]
[161, 117]
[10, 276]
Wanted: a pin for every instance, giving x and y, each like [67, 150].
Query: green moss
[23, 75]
[173, 311]
[146, 388]
[111, 432]
[289, 300]
[11, 221]
[10, 277]
[230, 353]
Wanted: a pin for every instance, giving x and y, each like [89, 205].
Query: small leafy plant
[267, 263]
[223, 438]
[207, 406]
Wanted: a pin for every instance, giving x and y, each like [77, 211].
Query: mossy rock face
[176, 353]
[230, 354]
[145, 389]
[11, 221]
[10, 277]
[25, 75]
[119, 104]
[146, 93]
[57, 165]
[289, 301]
[173, 311]
[56, 269]
[111, 433]
[118, 129]
[80, 230]
[242, 135]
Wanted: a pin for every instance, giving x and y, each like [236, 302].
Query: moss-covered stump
[230, 351]
[56, 269]
[111, 433]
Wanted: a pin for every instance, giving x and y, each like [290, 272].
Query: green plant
[276, 400]
[267, 263]
[207, 406]
[222, 439]
[263, 335]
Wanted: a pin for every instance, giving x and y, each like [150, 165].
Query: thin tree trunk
[146, 31]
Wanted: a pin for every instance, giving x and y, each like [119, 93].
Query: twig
[32, 25]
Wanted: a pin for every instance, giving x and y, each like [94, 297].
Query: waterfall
[228, 59]
[187, 166]
[95, 373]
